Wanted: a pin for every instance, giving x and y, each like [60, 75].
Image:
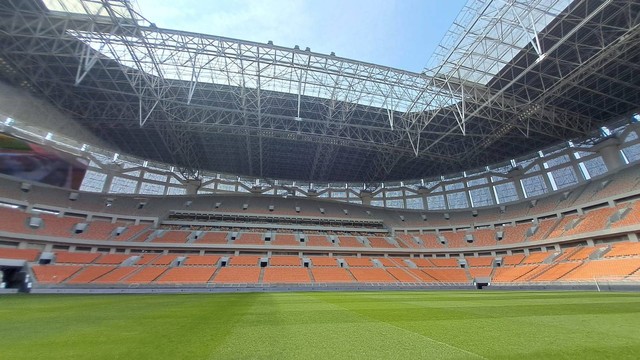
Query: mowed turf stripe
[560, 325]
[117, 327]
[403, 329]
[279, 328]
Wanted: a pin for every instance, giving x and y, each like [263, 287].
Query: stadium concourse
[209, 164]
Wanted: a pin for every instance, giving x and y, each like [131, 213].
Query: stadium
[309, 205]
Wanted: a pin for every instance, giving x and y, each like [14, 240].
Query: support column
[610, 152]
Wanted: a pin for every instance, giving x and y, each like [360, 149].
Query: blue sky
[396, 33]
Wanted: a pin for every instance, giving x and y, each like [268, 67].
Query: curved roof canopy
[509, 78]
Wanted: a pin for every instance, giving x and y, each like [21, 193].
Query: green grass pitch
[323, 325]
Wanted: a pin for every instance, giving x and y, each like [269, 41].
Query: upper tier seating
[544, 227]
[593, 221]
[318, 240]
[213, 237]
[407, 241]
[285, 240]
[99, 230]
[14, 220]
[249, 239]
[514, 234]
[172, 237]
[378, 242]
[349, 241]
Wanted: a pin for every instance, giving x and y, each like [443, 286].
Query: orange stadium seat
[593, 221]
[387, 262]
[378, 242]
[323, 261]
[89, 273]
[163, 260]
[508, 274]
[479, 261]
[318, 240]
[557, 271]
[372, 275]
[402, 275]
[512, 259]
[116, 276]
[249, 239]
[202, 260]
[406, 241]
[331, 275]
[349, 241]
[353, 262]
[187, 274]
[19, 254]
[65, 257]
[535, 258]
[244, 260]
[213, 237]
[604, 268]
[514, 234]
[480, 272]
[285, 240]
[623, 249]
[54, 274]
[98, 230]
[130, 232]
[421, 262]
[145, 275]
[113, 259]
[285, 261]
[544, 227]
[286, 275]
[237, 275]
[439, 262]
[172, 237]
[447, 275]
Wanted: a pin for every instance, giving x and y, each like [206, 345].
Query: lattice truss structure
[510, 77]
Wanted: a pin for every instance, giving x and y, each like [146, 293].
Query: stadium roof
[509, 78]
